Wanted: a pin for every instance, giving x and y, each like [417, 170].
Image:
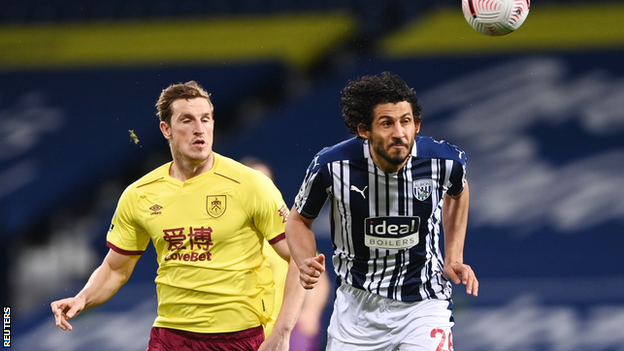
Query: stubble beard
[393, 160]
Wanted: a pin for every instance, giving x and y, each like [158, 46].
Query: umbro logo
[155, 209]
[354, 188]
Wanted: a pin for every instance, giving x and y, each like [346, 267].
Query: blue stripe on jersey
[374, 215]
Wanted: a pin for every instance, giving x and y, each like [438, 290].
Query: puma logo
[354, 188]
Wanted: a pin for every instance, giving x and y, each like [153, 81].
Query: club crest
[216, 205]
[422, 189]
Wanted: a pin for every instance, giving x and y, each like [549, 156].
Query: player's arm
[302, 246]
[455, 221]
[104, 282]
[291, 305]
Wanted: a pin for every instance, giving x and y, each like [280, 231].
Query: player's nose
[198, 127]
[398, 131]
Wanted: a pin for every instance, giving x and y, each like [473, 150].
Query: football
[495, 17]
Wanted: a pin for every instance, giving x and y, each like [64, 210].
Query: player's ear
[165, 129]
[417, 126]
[363, 132]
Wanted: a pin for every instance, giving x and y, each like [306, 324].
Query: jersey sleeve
[125, 236]
[270, 211]
[454, 162]
[314, 191]
[457, 179]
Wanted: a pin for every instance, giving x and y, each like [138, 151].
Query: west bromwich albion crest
[422, 189]
[216, 205]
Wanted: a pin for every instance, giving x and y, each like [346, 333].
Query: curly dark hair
[362, 95]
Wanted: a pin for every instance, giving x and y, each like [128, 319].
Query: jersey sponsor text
[198, 238]
[397, 232]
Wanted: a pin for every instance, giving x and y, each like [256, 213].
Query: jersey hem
[122, 251]
[277, 239]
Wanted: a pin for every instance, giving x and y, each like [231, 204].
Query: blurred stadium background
[540, 113]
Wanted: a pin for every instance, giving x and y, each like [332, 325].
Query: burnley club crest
[216, 205]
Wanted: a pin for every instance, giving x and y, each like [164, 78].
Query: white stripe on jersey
[372, 191]
[434, 257]
[384, 200]
[345, 251]
[409, 211]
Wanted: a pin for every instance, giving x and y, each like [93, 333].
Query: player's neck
[183, 169]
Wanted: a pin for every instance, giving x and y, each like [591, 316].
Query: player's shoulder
[428, 147]
[229, 167]
[153, 177]
[146, 183]
[232, 168]
[349, 149]
[239, 173]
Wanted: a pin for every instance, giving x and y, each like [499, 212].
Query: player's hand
[461, 273]
[65, 310]
[311, 270]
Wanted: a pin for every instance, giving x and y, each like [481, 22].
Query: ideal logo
[392, 232]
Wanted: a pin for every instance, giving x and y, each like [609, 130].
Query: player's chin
[198, 154]
[398, 157]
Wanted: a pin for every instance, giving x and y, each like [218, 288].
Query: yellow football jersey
[209, 234]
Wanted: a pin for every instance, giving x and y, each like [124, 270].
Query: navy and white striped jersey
[386, 227]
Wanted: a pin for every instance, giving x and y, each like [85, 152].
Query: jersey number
[434, 334]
